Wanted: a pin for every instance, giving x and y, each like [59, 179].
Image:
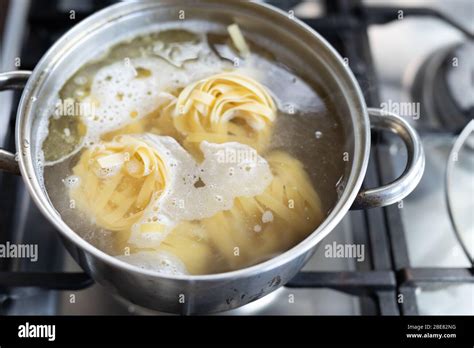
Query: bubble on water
[80, 80]
[71, 181]
[80, 93]
[267, 217]
[318, 134]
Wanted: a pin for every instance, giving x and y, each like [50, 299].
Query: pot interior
[333, 149]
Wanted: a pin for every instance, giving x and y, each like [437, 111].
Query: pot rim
[93, 22]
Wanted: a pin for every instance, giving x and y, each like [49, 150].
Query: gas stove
[413, 261]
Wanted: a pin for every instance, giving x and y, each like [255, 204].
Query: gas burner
[444, 86]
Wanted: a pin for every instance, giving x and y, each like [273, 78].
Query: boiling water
[307, 125]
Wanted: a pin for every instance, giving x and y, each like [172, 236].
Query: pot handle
[11, 80]
[400, 188]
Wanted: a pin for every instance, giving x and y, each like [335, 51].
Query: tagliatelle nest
[223, 108]
[118, 180]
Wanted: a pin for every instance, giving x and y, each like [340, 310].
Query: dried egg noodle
[176, 165]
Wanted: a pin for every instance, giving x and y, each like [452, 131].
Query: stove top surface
[413, 263]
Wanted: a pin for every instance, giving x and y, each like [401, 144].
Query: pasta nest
[222, 108]
[117, 181]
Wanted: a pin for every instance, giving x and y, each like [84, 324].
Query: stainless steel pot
[300, 46]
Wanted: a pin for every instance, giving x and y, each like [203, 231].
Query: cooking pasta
[135, 175]
[192, 172]
[222, 108]
[265, 224]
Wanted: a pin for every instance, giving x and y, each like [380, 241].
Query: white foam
[267, 217]
[128, 90]
[121, 94]
[235, 168]
[196, 191]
